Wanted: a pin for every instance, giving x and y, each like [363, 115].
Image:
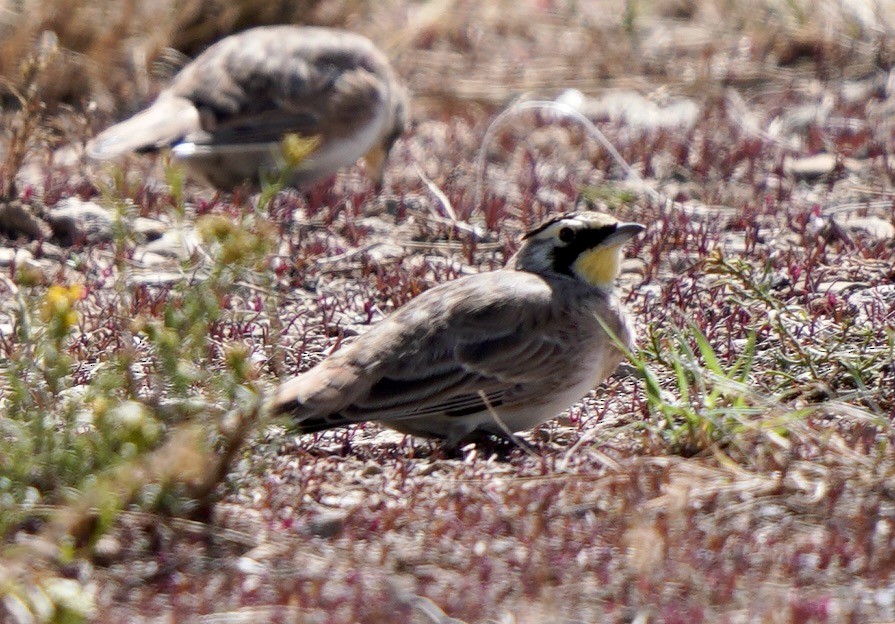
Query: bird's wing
[439, 355]
[475, 379]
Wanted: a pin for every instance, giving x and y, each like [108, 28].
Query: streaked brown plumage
[224, 115]
[530, 338]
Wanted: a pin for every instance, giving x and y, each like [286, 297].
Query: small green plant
[629, 18]
[613, 197]
[779, 364]
[706, 403]
[156, 420]
[26, 124]
[294, 149]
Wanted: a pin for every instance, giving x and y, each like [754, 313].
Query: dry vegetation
[741, 468]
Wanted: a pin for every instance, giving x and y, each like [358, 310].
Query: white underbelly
[245, 160]
[596, 371]
[345, 151]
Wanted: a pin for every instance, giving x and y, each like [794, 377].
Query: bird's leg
[375, 164]
[501, 444]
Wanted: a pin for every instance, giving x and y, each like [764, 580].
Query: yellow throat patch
[599, 266]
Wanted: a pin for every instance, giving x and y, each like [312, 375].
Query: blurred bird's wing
[255, 87]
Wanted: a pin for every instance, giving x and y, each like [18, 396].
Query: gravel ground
[762, 155]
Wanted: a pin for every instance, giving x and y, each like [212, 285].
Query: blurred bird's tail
[166, 122]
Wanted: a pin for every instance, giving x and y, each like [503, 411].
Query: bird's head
[584, 245]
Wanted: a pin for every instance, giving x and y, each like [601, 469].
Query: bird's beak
[623, 233]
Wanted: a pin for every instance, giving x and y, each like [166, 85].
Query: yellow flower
[216, 228]
[59, 303]
[239, 242]
[296, 148]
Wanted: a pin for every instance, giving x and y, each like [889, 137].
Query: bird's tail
[302, 424]
[167, 121]
[316, 425]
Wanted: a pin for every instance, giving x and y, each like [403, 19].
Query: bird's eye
[567, 235]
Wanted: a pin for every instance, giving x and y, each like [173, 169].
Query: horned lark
[505, 350]
[226, 113]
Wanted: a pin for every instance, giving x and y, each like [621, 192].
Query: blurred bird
[226, 113]
[491, 353]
